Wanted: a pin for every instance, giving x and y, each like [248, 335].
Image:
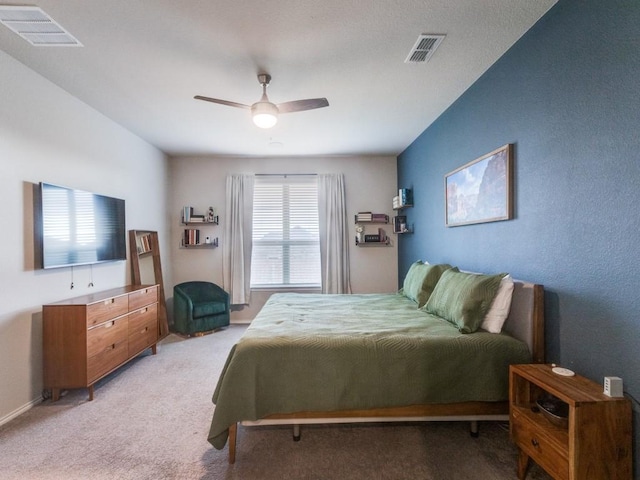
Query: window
[286, 239]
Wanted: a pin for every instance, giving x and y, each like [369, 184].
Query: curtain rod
[286, 174]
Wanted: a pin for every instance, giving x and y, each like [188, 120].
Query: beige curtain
[237, 245]
[334, 234]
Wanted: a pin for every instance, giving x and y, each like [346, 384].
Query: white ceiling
[143, 61]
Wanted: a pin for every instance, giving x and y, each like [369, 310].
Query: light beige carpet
[150, 419]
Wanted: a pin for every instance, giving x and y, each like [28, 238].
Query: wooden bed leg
[474, 428]
[296, 433]
[233, 430]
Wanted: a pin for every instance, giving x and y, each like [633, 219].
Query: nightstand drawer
[543, 448]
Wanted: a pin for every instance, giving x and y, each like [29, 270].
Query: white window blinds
[286, 240]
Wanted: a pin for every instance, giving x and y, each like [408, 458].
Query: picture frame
[481, 191]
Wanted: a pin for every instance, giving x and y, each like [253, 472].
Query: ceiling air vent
[424, 48]
[36, 27]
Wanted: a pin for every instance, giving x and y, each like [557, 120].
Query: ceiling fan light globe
[265, 114]
[265, 120]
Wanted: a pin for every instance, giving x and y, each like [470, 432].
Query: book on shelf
[191, 236]
[364, 216]
[380, 237]
[406, 196]
[403, 199]
[379, 217]
[143, 243]
[400, 224]
[372, 217]
[196, 219]
[186, 214]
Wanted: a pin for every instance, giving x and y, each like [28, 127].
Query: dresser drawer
[107, 309]
[143, 338]
[106, 360]
[533, 439]
[106, 334]
[142, 297]
[143, 315]
[143, 328]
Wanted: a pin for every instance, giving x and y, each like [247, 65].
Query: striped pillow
[463, 299]
[421, 280]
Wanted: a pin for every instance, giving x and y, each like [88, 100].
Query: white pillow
[499, 310]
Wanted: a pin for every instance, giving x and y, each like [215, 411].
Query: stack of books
[364, 216]
[403, 199]
[372, 217]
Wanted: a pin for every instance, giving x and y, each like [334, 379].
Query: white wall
[370, 184]
[48, 135]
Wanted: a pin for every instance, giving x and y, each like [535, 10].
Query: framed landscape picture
[482, 190]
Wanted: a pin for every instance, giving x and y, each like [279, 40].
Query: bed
[312, 358]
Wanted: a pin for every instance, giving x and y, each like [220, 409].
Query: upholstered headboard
[526, 317]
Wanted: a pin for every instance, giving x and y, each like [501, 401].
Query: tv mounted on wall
[74, 227]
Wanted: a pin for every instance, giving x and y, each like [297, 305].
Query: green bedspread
[307, 352]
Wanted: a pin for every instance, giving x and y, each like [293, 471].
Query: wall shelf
[385, 243]
[205, 223]
[191, 238]
[377, 218]
[213, 244]
[400, 202]
[364, 239]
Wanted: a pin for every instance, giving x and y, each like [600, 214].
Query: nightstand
[595, 443]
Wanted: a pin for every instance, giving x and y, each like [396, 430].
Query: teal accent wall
[567, 95]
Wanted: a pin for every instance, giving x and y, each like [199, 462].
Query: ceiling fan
[264, 112]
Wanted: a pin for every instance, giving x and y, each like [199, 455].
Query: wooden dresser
[86, 338]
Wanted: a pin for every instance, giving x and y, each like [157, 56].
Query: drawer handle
[534, 442]
[111, 347]
[110, 301]
[146, 329]
[144, 310]
[110, 324]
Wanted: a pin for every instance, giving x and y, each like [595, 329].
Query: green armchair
[199, 307]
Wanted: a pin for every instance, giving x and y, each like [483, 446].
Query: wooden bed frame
[525, 322]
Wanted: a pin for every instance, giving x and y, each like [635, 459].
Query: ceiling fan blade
[221, 102]
[301, 105]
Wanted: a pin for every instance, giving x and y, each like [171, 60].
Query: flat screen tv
[74, 227]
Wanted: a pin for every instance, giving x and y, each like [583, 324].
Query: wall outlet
[613, 386]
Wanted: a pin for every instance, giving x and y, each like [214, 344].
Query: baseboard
[19, 411]
[240, 322]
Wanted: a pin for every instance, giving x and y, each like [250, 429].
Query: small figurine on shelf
[210, 215]
[360, 233]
